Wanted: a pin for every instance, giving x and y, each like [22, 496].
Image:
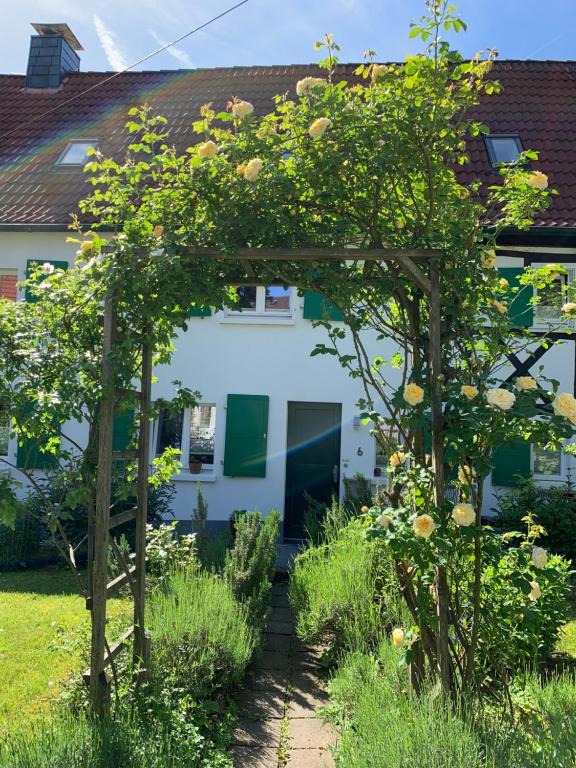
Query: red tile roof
[538, 101]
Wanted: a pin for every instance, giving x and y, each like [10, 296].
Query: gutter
[43, 228]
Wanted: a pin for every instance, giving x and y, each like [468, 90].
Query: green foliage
[385, 727]
[341, 590]
[199, 519]
[167, 551]
[76, 741]
[554, 508]
[249, 566]
[202, 637]
[21, 542]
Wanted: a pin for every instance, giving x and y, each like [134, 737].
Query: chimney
[52, 55]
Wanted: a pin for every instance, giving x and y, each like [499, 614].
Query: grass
[43, 630]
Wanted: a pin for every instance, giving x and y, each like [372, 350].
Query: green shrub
[337, 589]
[249, 566]
[68, 741]
[202, 638]
[383, 726]
[554, 508]
[20, 543]
[166, 550]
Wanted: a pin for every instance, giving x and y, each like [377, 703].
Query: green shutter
[30, 298]
[511, 462]
[316, 307]
[200, 312]
[519, 302]
[123, 429]
[246, 436]
[30, 456]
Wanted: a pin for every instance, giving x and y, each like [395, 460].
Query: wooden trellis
[102, 656]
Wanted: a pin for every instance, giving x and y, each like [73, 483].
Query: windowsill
[253, 318]
[194, 477]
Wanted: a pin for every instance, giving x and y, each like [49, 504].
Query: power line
[122, 71]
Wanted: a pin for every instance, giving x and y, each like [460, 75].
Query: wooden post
[140, 637]
[99, 684]
[436, 384]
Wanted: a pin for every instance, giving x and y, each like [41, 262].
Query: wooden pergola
[133, 573]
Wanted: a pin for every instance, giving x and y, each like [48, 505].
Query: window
[273, 300]
[76, 153]
[546, 463]
[551, 298]
[8, 284]
[503, 148]
[4, 432]
[192, 433]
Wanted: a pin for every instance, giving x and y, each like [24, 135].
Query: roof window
[76, 153]
[503, 148]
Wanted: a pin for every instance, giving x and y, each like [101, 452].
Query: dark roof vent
[52, 55]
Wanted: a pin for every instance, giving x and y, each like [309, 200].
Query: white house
[274, 421]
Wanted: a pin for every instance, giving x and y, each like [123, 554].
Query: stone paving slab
[255, 757]
[278, 643]
[269, 680]
[306, 704]
[257, 733]
[310, 758]
[272, 660]
[261, 705]
[310, 733]
[279, 627]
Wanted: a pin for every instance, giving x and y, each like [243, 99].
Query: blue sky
[118, 32]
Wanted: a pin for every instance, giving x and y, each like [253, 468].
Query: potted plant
[195, 465]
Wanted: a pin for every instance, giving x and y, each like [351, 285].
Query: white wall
[221, 357]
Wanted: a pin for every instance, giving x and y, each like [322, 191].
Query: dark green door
[312, 459]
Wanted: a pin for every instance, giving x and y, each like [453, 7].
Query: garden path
[278, 725]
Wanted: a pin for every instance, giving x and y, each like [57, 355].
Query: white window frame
[61, 161]
[260, 315]
[552, 317]
[541, 477]
[208, 472]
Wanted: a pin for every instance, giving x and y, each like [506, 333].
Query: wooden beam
[122, 517]
[115, 649]
[313, 254]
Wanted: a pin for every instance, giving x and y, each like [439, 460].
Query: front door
[312, 459]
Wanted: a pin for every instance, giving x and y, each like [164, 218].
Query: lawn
[44, 628]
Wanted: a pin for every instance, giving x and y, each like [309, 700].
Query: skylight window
[503, 147]
[76, 153]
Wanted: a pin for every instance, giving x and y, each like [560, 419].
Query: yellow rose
[398, 636]
[308, 85]
[466, 475]
[463, 514]
[241, 109]
[319, 126]
[469, 391]
[539, 557]
[526, 383]
[564, 405]
[207, 149]
[377, 71]
[501, 398]
[423, 526]
[535, 593]
[399, 224]
[569, 308]
[364, 509]
[86, 246]
[413, 394]
[384, 520]
[240, 168]
[503, 283]
[252, 169]
[488, 259]
[537, 180]
[397, 458]
[502, 308]
[158, 230]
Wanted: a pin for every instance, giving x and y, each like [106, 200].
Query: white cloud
[108, 42]
[177, 53]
